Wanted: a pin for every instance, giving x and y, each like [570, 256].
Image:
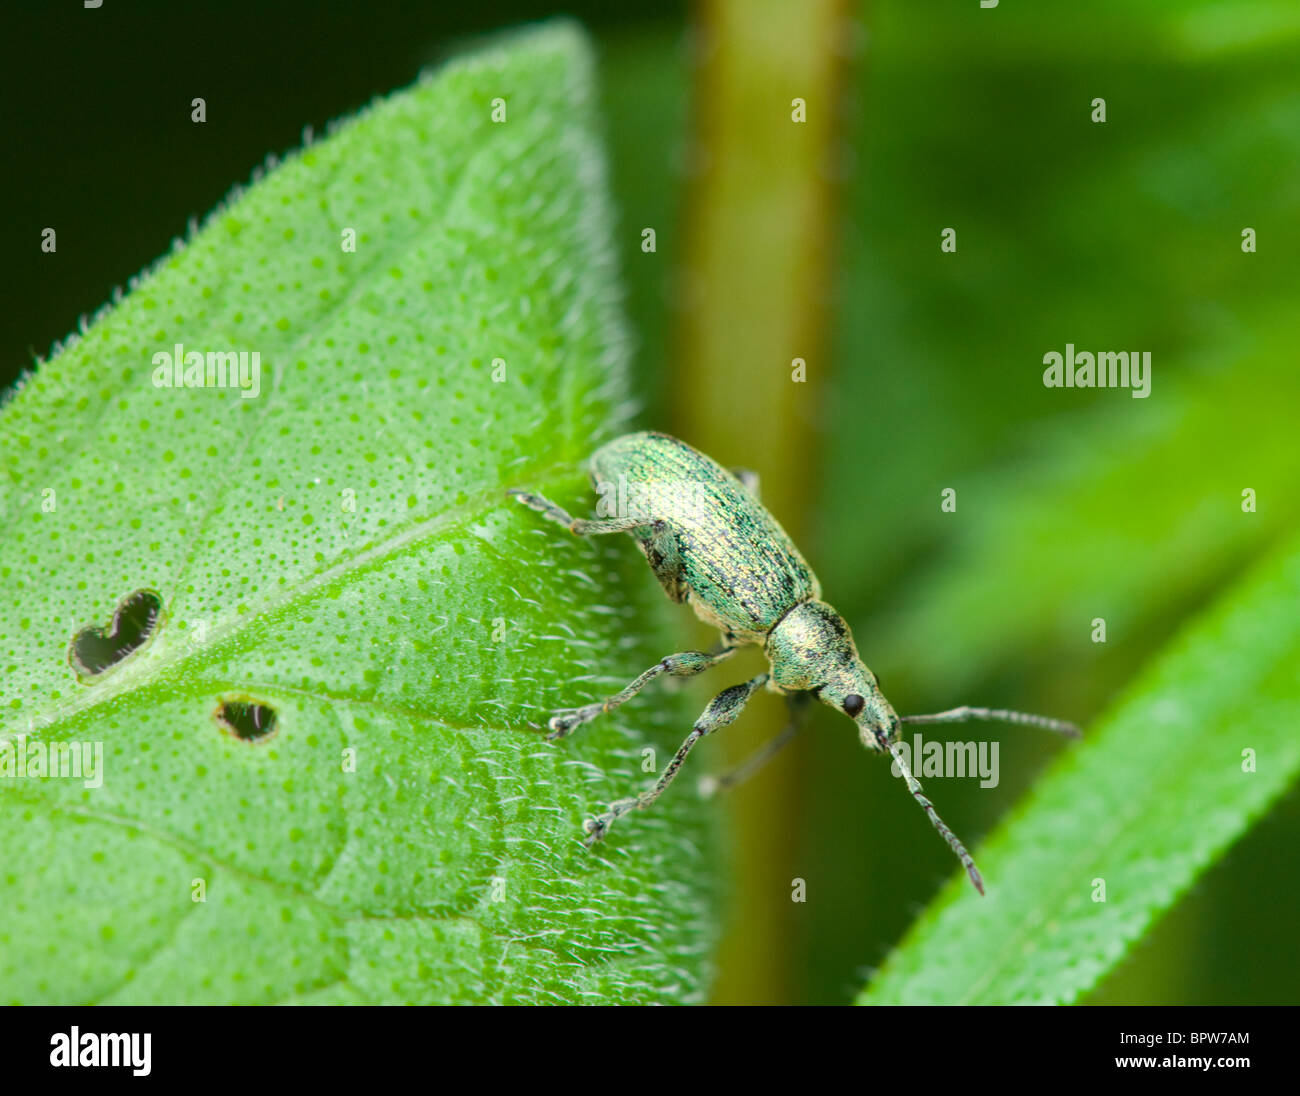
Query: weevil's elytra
[712, 544]
[740, 571]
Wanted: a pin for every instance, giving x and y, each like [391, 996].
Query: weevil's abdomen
[743, 571]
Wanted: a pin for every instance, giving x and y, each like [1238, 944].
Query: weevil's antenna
[966, 714]
[914, 786]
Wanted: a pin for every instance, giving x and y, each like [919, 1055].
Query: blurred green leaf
[1071, 504]
[1130, 514]
[419, 632]
[1196, 750]
[1115, 235]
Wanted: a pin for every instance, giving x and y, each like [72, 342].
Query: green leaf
[339, 550]
[1072, 504]
[1126, 517]
[1201, 744]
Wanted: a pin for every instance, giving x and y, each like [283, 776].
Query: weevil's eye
[853, 704]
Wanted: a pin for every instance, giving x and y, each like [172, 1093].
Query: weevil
[713, 545]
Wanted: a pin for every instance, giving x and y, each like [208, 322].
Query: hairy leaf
[319, 778]
[1201, 744]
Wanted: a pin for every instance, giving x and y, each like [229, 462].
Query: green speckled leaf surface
[340, 548]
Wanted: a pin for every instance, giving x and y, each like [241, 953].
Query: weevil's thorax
[811, 649]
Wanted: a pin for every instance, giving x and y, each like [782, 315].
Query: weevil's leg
[659, 543]
[580, 527]
[799, 705]
[966, 714]
[748, 479]
[655, 538]
[721, 711]
[684, 664]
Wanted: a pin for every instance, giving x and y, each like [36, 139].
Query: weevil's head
[812, 650]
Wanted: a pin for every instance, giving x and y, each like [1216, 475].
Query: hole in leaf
[94, 649]
[246, 719]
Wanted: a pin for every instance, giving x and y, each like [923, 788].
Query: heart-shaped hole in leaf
[246, 719]
[94, 649]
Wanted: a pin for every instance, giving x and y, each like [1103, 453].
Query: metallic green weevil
[713, 545]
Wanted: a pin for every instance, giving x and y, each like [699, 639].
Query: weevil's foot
[596, 828]
[527, 498]
[708, 787]
[567, 720]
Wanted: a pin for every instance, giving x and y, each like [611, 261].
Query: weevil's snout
[856, 694]
[878, 725]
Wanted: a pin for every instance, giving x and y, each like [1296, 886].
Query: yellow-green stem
[755, 288]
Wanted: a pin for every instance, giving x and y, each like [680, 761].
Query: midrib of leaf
[288, 890]
[146, 677]
[125, 682]
[488, 797]
[372, 262]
